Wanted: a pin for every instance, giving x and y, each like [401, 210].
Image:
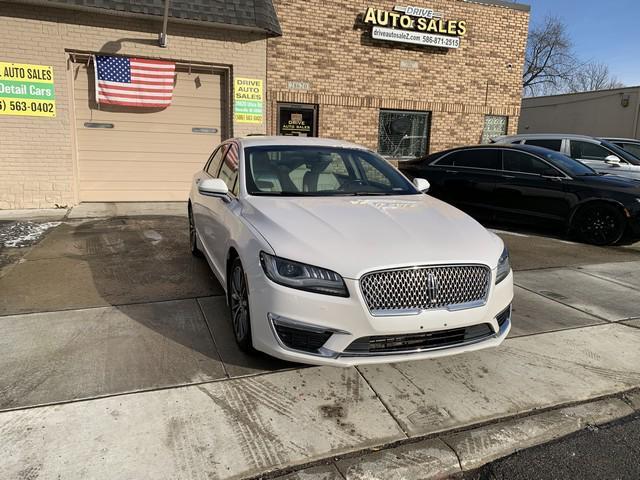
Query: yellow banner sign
[27, 90]
[248, 100]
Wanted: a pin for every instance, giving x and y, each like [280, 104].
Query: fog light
[302, 337]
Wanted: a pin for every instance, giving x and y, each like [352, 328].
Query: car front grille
[411, 290]
[417, 342]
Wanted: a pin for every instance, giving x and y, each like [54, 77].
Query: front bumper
[347, 319]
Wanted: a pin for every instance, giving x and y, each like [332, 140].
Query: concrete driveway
[109, 325]
[106, 306]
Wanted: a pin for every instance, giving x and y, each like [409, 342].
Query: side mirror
[612, 160]
[421, 184]
[213, 187]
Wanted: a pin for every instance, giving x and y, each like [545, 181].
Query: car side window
[632, 148]
[446, 161]
[551, 144]
[485, 158]
[229, 169]
[515, 161]
[214, 162]
[588, 151]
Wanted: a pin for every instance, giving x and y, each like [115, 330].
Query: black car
[532, 185]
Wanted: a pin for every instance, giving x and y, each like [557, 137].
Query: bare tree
[592, 76]
[549, 61]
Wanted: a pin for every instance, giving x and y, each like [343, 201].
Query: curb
[34, 214]
[451, 455]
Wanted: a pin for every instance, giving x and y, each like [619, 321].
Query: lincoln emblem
[432, 288]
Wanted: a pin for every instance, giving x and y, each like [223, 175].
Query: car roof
[260, 141]
[621, 139]
[533, 136]
[502, 146]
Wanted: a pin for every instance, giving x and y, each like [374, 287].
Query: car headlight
[504, 267]
[302, 276]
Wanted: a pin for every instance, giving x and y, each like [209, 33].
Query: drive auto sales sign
[415, 25]
[27, 89]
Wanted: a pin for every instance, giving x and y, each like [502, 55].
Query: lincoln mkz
[329, 255]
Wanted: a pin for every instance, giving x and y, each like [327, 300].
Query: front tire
[599, 224]
[193, 236]
[239, 306]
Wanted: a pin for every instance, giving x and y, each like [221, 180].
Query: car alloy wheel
[193, 236]
[239, 304]
[600, 224]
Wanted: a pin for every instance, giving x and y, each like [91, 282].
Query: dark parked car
[532, 185]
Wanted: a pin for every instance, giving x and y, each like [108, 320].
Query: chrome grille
[410, 290]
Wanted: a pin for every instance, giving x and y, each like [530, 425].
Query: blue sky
[604, 31]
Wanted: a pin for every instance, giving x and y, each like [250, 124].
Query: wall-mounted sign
[248, 99]
[27, 90]
[297, 119]
[416, 25]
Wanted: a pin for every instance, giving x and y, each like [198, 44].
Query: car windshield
[569, 165]
[321, 171]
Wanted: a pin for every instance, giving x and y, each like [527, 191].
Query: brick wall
[352, 77]
[36, 154]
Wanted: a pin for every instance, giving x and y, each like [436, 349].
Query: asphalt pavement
[610, 452]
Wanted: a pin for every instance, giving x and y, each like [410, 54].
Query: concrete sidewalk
[252, 425]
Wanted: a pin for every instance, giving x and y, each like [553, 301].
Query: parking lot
[118, 354]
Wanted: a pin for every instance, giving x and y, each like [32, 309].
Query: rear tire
[193, 236]
[599, 224]
[239, 306]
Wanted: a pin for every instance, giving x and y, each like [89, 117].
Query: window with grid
[403, 134]
[494, 126]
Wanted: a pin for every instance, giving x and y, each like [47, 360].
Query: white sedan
[329, 255]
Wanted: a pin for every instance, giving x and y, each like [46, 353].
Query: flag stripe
[138, 86]
[151, 80]
[133, 93]
[118, 98]
[152, 66]
[132, 103]
[152, 62]
[153, 73]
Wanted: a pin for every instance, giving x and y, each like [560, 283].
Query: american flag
[134, 82]
[232, 157]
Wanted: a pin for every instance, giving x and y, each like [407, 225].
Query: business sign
[27, 90]
[248, 100]
[416, 25]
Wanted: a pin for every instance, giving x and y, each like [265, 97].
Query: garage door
[135, 154]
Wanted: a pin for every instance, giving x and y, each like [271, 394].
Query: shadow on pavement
[120, 305]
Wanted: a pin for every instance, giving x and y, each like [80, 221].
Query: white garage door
[135, 154]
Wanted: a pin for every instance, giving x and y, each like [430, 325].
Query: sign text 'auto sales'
[416, 25]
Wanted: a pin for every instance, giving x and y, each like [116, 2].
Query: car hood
[611, 182]
[353, 235]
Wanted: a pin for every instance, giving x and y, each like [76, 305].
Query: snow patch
[24, 234]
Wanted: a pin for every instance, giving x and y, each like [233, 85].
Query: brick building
[313, 67]
[398, 98]
[85, 152]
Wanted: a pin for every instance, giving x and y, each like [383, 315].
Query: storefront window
[297, 120]
[494, 126]
[403, 134]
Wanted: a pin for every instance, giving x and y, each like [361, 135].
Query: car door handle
[510, 177]
[451, 171]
